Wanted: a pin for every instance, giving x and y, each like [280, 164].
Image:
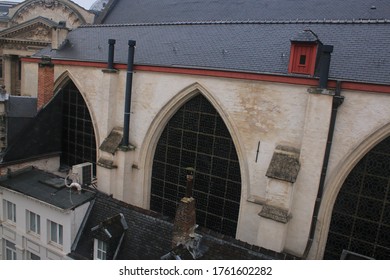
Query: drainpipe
[111, 48]
[337, 101]
[129, 83]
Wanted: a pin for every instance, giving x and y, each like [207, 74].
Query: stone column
[314, 141]
[108, 157]
[7, 60]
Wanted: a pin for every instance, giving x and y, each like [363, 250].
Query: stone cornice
[28, 25]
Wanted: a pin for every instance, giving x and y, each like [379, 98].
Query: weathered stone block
[275, 213]
[284, 164]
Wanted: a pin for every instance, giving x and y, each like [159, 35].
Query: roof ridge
[221, 22]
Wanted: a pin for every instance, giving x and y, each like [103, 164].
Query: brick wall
[45, 83]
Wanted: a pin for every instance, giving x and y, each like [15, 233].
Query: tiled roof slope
[137, 11]
[360, 47]
[46, 187]
[149, 234]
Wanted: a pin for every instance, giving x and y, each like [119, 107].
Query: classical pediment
[57, 10]
[36, 30]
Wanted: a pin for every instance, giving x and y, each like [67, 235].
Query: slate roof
[45, 187]
[148, 236]
[360, 47]
[40, 136]
[141, 11]
[21, 106]
[4, 8]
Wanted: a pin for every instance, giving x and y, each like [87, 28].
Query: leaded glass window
[361, 214]
[196, 136]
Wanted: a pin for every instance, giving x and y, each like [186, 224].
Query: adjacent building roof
[148, 235]
[99, 5]
[40, 136]
[45, 187]
[4, 8]
[151, 11]
[360, 47]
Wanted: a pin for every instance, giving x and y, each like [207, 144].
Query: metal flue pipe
[111, 48]
[325, 65]
[129, 84]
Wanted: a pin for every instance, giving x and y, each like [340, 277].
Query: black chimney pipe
[325, 65]
[129, 84]
[111, 47]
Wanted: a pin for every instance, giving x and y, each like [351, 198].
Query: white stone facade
[259, 115]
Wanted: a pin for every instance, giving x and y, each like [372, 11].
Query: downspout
[336, 102]
[129, 83]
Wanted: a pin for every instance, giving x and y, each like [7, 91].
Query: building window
[33, 223]
[303, 58]
[196, 136]
[78, 135]
[19, 69]
[9, 211]
[55, 233]
[360, 224]
[32, 256]
[10, 250]
[100, 252]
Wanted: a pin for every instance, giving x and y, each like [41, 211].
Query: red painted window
[302, 58]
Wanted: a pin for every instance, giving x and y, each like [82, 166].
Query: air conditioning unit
[83, 173]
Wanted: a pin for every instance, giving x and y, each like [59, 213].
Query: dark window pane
[196, 136]
[361, 211]
[78, 139]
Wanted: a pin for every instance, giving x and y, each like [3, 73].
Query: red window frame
[302, 58]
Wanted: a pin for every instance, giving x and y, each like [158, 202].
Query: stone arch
[78, 110]
[160, 122]
[61, 81]
[335, 183]
[21, 12]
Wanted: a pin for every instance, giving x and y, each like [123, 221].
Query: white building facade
[35, 229]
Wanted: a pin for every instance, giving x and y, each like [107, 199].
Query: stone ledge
[275, 213]
[113, 71]
[106, 163]
[112, 142]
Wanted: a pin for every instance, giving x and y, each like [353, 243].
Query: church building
[280, 108]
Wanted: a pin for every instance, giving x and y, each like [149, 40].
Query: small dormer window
[303, 53]
[302, 60]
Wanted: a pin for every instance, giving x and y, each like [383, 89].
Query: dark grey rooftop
[21, 106]
[141, 11]
[4, 8]
[360, 53]
[45, 187]
[149, 236]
